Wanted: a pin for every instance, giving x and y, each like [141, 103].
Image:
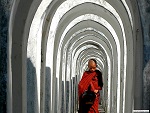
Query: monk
[91, 79]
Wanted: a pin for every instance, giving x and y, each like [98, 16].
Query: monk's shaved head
[92, 64]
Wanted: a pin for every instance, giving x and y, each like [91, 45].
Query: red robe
[94, 79]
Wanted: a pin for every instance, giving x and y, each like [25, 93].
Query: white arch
[19, 37]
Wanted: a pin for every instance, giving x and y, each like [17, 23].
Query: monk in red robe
[92, 80]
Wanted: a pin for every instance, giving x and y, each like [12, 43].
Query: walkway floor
[100, 109]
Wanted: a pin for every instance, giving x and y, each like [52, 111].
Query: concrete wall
[144, 6]
[5, 6]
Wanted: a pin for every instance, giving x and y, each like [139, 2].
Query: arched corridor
[50, 43]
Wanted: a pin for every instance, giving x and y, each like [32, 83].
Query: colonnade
[55, 41]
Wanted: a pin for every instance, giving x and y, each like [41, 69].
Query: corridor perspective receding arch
[57, 38]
